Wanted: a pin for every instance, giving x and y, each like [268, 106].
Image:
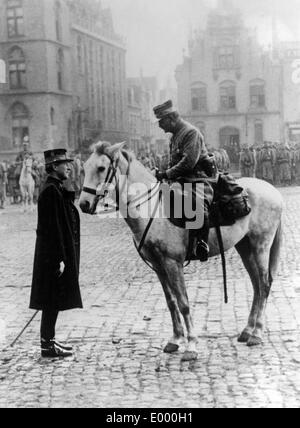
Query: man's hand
[161, 175]
[61, 268]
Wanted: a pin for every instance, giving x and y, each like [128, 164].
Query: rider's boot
[201, 248]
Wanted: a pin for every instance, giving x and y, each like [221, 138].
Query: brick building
[235, 91]
[66, 79]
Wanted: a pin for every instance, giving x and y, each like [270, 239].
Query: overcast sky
[156, 31]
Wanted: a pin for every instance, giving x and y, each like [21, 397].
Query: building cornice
[23, 41]
[31, 93]
[98, 37]
[231, 114]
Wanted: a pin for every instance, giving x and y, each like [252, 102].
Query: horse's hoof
[254, 341]
[189, 356]
[171, 348]
[244, 337]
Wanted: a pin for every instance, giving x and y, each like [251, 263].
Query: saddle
[230, 202]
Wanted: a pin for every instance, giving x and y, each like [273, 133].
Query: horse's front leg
[178, 331]
[262, 261]
[177, 284]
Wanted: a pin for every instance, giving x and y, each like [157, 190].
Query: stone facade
[66, 79]
[144, 133]
[233, 89]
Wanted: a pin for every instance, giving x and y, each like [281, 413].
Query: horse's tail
[275, 253]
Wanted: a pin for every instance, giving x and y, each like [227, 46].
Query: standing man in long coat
[55, 283]
[189, 162]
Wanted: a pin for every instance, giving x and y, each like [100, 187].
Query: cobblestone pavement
[120, 334]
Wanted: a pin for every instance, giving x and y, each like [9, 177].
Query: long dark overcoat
[58, 239]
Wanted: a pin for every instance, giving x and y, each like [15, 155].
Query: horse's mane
[102, 147]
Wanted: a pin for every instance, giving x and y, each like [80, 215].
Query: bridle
[110, 176]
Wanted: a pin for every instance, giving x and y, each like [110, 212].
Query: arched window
[15, 19]
[227, 95]
[258, 131]
[199, 97]
[58, 20]
[60, 69]
[257, 93]
[20, 123]
[17, 68]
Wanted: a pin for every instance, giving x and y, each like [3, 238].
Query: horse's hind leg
[256, 260]
[262, 257]
[246, 252]
[178, 332]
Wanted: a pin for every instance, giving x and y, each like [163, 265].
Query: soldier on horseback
[24, 154]
[189, 162]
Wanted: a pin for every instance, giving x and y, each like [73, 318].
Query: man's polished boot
[201, 248]
[63, 346]
[202, 251]
[51, 349]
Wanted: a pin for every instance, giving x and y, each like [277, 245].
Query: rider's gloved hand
[161, 176]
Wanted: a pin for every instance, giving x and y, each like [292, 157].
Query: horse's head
[27, 164]
[100, 171]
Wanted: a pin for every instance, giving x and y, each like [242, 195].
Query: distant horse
[27, 184]
[256, 237]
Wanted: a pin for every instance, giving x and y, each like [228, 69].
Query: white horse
[257, 238]
[27, 184]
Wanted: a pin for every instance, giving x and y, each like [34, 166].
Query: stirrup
[202, 251]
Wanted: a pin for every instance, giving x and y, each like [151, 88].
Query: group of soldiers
[279, 164]
[10, 172]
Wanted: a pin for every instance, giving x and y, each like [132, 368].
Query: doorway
[230, 141]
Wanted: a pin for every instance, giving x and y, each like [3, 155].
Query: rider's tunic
[188, 152]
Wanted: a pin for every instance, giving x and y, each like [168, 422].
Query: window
[60, 69]
[52, 116]
[20, 123]
[15, 20]
[17, 68]
[258, 132]
[199, 98]
[58, 20]
[257, 95]
[226, 57]
[227, 96]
